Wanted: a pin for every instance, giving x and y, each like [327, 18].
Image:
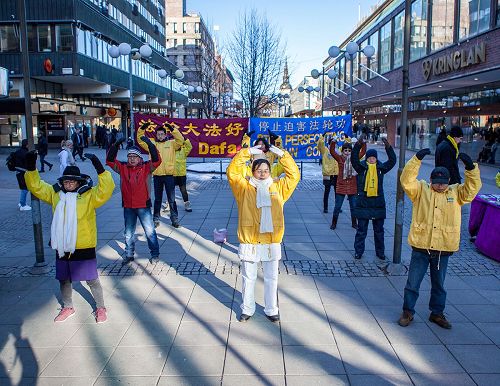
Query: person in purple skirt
[73, 230]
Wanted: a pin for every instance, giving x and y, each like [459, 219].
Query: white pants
[249, 274]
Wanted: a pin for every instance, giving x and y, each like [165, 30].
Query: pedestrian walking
[434, 231]
[163, 176]
[135, 182]
[261, 223]
[66, 156]
[19, 161]
[346, 180]
[180, 172]
[78, 143]
[447, 154]
[43, 149]
[329, 169]
[73, 231]
[85, 135]
[369, 203]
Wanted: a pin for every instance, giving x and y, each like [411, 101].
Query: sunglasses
[347, 150]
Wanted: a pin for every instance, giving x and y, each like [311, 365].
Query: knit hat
[371, 153]
[72, 173]
[456, 132]
[134, 150]
[440, 175]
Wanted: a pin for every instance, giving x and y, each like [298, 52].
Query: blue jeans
[146, 219]
[22, 197]
[168, 182]
[418, 268]
[339, 200]
[378, 233]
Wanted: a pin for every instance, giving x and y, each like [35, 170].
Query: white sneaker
[187, 206]
[25, 207]
[165, 207]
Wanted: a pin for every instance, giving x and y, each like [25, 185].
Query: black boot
[334, 222]
[354, 222]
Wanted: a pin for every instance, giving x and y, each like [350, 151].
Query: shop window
[419, 20]
[399, 22]
[474, 17]
[385, 48]
[44, 38]
[64, 38]
[373, 41]
[443, 16]
[8, 40]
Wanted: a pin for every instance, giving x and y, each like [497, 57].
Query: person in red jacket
[135, 182]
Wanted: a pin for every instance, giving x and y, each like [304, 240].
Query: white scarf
[64, 224]
[264, 202]
[348, 169]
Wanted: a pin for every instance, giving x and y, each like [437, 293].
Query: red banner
[211, 138]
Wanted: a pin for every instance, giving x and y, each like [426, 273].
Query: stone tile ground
[175, 323]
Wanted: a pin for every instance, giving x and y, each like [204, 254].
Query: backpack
[10, 162]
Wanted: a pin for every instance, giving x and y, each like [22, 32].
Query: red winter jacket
[135, 182]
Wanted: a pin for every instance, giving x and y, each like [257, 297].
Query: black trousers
[167, 183]
[78, 150]
[332, 182]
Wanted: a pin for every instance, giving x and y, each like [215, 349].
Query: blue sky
[308, 27]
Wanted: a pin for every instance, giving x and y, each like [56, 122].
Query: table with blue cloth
[484, 224]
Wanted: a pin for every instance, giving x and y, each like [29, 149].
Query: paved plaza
[175, 322]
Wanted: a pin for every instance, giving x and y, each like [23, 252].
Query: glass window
[342, 73]
[443, 16]
[498, 13]
[474, 17]
[399, 22]
[373, 41]
[184, 27]
[174, 26]
[363, 60]
[8, 40]
[355, 68]
[385, 47]
[44, 38]
[197, 26]
[419, 20]
[80, 41]
[64, 38]
[32, 38]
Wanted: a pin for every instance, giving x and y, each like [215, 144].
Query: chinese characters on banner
[211, 138]
[300, 135]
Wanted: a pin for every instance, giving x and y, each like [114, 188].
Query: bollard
[40, 267]
[301, 167]
[220, 169]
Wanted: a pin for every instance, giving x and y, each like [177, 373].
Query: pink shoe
[100, 315]
[65, 313]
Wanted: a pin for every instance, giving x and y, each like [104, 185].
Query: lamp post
[191, 89]
[352, 48]
[126, 49]
[179, 74]
[282, 101]
[309, 89]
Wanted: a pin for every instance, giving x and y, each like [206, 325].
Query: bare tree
[257, 55]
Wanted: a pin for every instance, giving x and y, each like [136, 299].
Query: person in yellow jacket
[261, 223]
[168, 140]
[435, 230]
[330, 170]
[180, 172]
[73, 231]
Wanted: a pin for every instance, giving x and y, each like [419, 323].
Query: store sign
[454, 61]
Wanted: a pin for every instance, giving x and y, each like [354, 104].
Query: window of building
[355, 68]
[385, 47]
[174, 27]
[64, 38]
[32, 38]
[184, 42]
[8, 40]
[44, 38]
[184, 27]
[373, 41]
[197, 27]
[397, 57]
[363, 61]
[443, 17]
[80, 41]
[175, 43]
[419, 21]
[342, 73]
[474, 17]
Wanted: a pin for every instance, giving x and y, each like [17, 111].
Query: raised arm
[35, 185]
[391, 157]
[236, 172]
[355, 157]
[153, 153]
[287, 185]
[111, 156]
[321, 145]
[470, 188]
[178, 138]
[187, 147]
[408, 178]
[333, 151]
[105, 186]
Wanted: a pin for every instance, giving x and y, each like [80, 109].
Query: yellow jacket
[246, 195]
[436, 217]
[166, 149]
[497, 178]
[180, 158]
[86, 204]
[329, 166]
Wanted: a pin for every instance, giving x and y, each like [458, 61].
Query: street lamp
[191, 89]
[351, 49]
[282, 101]
[315, 74]
[179, 74]
[126, 49]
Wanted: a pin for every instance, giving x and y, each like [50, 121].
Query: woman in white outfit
[261, 223]
[65, 156]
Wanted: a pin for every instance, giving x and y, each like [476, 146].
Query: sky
[309, 27]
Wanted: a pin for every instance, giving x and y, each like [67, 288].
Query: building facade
[454, 71]
[74, 81]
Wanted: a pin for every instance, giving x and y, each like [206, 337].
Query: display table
[484, 223]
